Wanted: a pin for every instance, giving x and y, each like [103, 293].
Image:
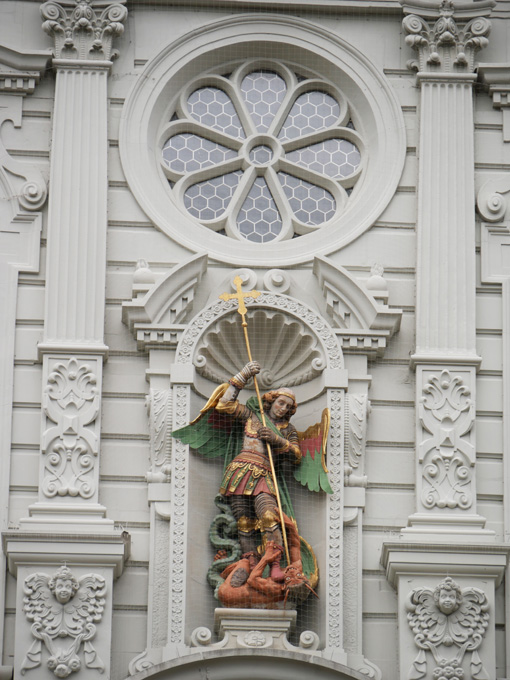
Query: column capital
[82, 29]
[445, 34]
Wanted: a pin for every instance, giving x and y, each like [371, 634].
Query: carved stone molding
[63, 611]
[448, 623]
[82, 29]
[70, 439]
[446, 414]
[446, 40]
[491, 201]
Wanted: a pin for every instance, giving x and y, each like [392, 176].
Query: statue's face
[280, 407]
[63, 590]
[447, 601]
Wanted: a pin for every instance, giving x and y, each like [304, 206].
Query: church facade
[338, 172]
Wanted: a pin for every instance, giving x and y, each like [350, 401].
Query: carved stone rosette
[446, 43]
[82, 30]
[71, 403]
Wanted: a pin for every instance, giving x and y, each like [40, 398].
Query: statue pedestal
[254, 628]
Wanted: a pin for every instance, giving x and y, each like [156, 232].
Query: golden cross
[239, 296]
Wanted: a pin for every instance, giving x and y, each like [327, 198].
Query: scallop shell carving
[288, 353]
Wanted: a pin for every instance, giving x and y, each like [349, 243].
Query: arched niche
[194, 481]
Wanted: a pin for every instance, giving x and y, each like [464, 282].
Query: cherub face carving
[448, 596]
[63, 585]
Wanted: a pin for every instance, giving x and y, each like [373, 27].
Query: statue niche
[261, 561]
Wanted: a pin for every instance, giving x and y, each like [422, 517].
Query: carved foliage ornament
[447, 414]
[71, 401]
[158, 404]
[84, 31]
[447, 623]
[446, 45]
[63, 611]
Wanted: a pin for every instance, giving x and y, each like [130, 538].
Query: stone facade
[127, 208]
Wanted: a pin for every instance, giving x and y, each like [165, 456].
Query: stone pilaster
[446, 38]
[67, 526]
[73, 347]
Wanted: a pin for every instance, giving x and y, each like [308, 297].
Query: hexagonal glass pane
[208, 200]
[259, 219]
[263, 92]
[333, 157]
[214, 108]
[310, 204]
[310, 112]
[188, 152]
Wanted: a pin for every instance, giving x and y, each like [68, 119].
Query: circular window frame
[373, 104]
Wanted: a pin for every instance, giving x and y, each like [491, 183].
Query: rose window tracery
[262, 153]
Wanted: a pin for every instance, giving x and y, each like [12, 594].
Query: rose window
[261, 154]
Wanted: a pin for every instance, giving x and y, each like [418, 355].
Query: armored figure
[253, 448]
[248, 480]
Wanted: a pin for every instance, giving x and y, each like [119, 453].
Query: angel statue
[448, 618]
[63, 611]
[258, 500]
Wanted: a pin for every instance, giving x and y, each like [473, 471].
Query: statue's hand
[267, 435]
[252, 367]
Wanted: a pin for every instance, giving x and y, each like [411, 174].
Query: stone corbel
[496, 80]
[19, 74]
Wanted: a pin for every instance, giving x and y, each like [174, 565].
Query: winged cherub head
[63, 585]
[448, 596]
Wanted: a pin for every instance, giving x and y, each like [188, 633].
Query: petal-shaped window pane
[208, 200]
[263, 92]
[333, 157]
[310, 204]
[188, 152]
[259, 220]
[310, 112]
[214, 108]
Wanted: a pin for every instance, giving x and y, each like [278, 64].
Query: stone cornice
[21, 71]
[446, 35]
[84, 29]
[327, 6]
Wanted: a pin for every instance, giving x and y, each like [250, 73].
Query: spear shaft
[239, 296]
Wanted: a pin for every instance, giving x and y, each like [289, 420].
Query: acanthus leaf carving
[83, 31]
[447, 413]
[446, 44]
[159, 412]
[71, 401]
[447, 623]
[64, 611]
[357, 410]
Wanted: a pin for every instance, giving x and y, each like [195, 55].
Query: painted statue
[253, 446]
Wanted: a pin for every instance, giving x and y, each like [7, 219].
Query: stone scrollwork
[448, 623]
[159, 411]
[356, 411]
[447, 414]
[71, 401]
[446, 44]
[84, 30]
[64, 611]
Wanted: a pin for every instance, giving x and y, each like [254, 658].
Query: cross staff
[239, 295]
